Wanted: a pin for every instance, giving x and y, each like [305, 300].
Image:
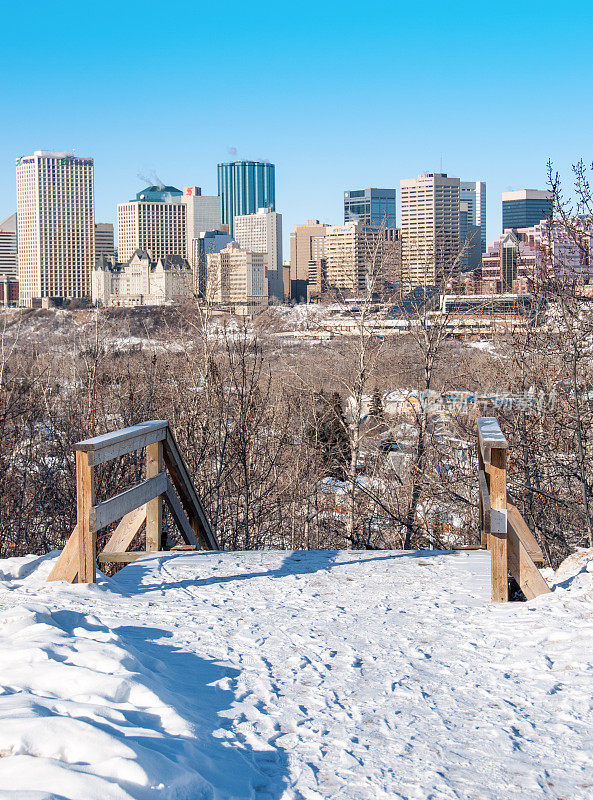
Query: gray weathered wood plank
[485, 499]
[180, 517]
[187, 493]
[117, 507]
[118, 443]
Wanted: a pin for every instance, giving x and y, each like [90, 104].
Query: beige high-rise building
[306, 241]
[56, 226]
[237, 277]
[159, 227]
[429, 228]
[359, 259]
[262, 233]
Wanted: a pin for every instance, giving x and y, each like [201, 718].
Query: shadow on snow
[297, 562]
[211, 754]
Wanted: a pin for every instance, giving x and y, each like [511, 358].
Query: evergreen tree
[376, 408]
[329, 434]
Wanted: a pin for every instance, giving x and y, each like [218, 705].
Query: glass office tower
[474, 194]
[243, 187]
[370, 206]
[525, 207]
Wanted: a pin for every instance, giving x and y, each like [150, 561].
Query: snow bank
[83, 716]
[300, 317]
[486, 347]
[301, 676]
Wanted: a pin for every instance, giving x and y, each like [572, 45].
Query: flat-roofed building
[55, 226]
[8, 247]
[237, 277]
[262, 233]
[371, 207]
[306, 245]
[474, 194]
[104, 241]
[157, 227]
[203, 214]
[469, 239]
[429, 228]
[243, 187]
[360, 259]
[206, 243]
[525, 207]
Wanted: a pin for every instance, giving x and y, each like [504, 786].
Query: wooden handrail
[503, 530]
[141, 504]
[119, 443]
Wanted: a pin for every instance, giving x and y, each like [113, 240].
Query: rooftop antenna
[441, 162]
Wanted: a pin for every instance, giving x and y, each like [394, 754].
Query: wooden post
[483, 535]
[85, 500]
[154, 508]
[498, 525]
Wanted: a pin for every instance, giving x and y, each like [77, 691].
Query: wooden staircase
[167, 480]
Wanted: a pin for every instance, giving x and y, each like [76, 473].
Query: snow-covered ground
[271, 675]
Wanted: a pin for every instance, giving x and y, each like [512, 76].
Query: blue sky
[337, 95]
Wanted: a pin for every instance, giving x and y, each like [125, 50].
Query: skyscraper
[203, 245]
[359, 258]
[104, 243]
[203, 214]
[474, 194]
[237, 277]
[525, 207]
[243, 187]
[470, 242]
[370, 206]
[155, 226]
[304, 244]
[429, 228]
[56, 226]
[262, 233]
[8, 247]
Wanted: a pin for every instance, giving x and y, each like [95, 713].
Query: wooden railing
[513, 548]
[140, 504]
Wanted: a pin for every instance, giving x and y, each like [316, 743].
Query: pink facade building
[522, 258]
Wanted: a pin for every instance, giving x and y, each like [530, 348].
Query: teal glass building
[370, 206]
[243, 187]
[525, 207]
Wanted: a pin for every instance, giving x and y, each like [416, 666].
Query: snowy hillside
[268, 675]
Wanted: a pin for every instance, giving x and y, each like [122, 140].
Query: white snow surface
[295, 676]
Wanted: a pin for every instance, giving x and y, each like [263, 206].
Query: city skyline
[293, 111]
